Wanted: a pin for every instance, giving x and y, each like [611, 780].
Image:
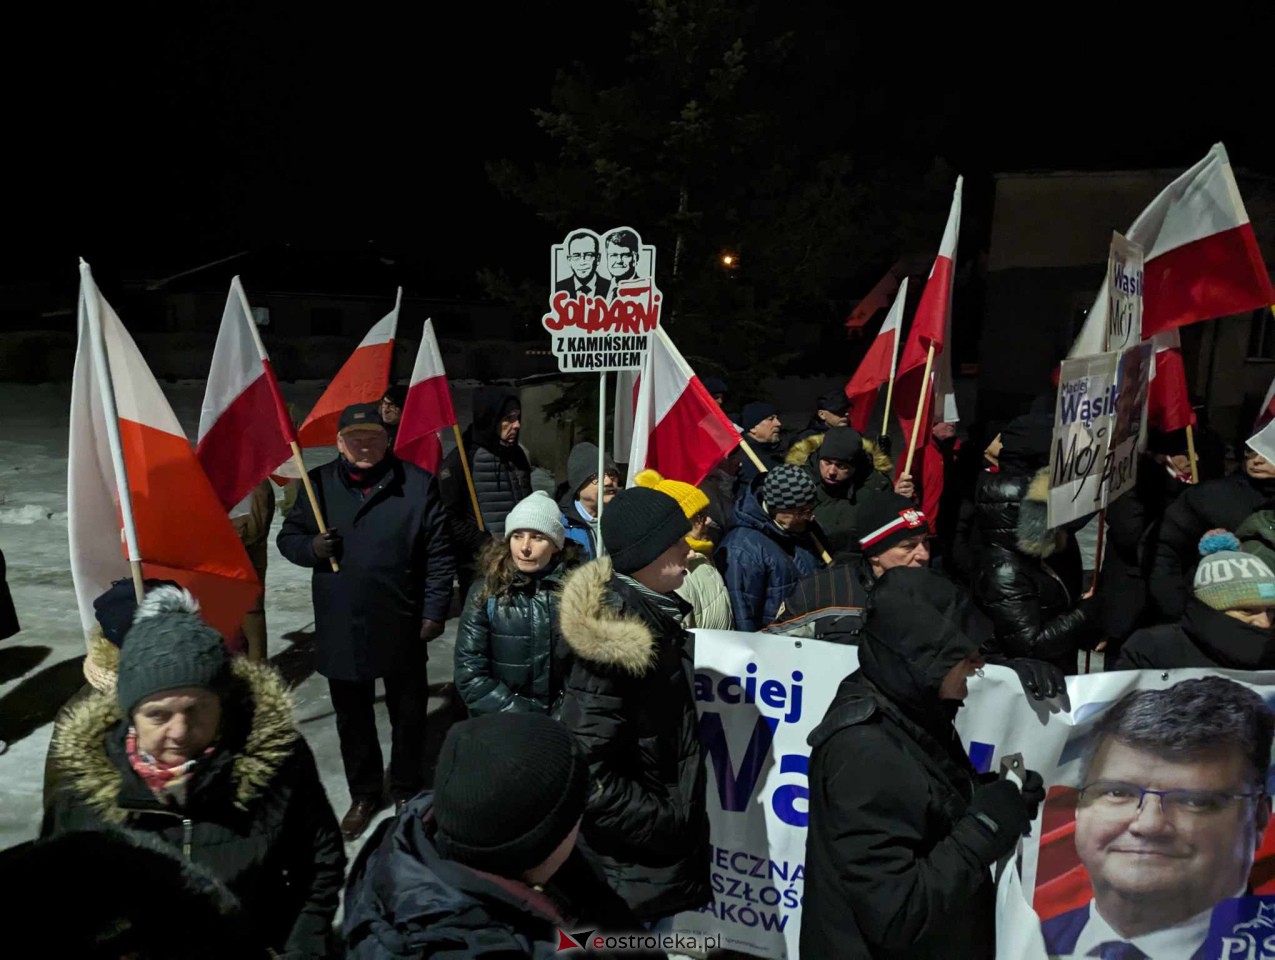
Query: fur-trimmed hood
[801, 452]
[83, 765]
[1034, 536]
[595, 626]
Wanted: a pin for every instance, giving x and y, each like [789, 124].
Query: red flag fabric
[1168, 399]
[878, 298]
[930, 322]
[428, 408]
[878, 365]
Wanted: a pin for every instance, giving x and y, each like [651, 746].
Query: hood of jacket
[1257, 535]
[595, 626]
[1228, 642]
[1034, 536]
[571, 513]
[257, 717]
[806, 453]
[484, 429]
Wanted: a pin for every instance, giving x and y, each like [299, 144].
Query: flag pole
[889, 395]
[469, 477]
[923, 402]
[602, 444]
[1190, 453]
[761, 467]
[106, 387]
[314, 501]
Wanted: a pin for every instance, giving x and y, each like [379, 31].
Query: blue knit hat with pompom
[1227, 579]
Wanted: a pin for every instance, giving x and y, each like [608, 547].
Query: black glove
[1040, 680]
[999, 812]
[327, 546]
[1033, 792]
[430, 630]
[883, 444]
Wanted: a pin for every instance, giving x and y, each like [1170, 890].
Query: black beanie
[755, 412]
[639, 525]
[886, 518]
[841, 443]
[170, 646]
[834, 401]
[1167, 443]
[115, 608]
[1026, 439]
[509, 788]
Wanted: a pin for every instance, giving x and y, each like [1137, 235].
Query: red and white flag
[135, 490]
[428, 407]
[933, 313]
[244, 428]
[363, 378]
[877, 299]
[1168, 399]
[1202, 259]
[678, 429]
[878, 365]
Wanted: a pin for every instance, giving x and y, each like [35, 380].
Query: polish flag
[428, 407]
[244, 428]
[363, 379]
[930, 324]
[135, 490]
[1202, 259]
[878, 298]
[1168, 400]
[878, 365]
[678, 429]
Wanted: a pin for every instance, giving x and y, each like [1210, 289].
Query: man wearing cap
[761, 426]
[630, 703]
[373, 619]
[579, 502]
[831, 410]
[769, 549]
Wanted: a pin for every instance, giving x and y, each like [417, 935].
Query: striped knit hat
[1227, 579]
[888, 518]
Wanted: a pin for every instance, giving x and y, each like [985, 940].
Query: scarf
[169, 784]
[666, 603]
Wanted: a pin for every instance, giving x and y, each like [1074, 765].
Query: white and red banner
[678, 429]
[244, 428]
[135, 489]
[428, 408]
[363, 378]
[878, 365]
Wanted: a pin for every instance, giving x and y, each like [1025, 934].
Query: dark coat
[895, 868]
[510, 655]
[502, 477]
[630, 701]
[1036, 613]
[8, 615]
[1224, 503]
[404, 900]
[837, 507]
[771, 454]
[256, 817]
[396, 569]
[830, 604]
[761, 563]
[1204, 637]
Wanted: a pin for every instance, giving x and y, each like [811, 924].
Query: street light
[730, 260]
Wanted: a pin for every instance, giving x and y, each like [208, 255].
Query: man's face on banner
[582, 254]
[621, 261]
[1174, 856]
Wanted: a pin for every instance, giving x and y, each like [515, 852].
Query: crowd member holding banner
[630, 702]
[510, 656]
[903, 830]
[374, 618]
[1019, 581]
[1171, 812]
[1224, 503]
[501, 474]
[1226, 624]
[579, 502]
[762, 428]
[769, 549]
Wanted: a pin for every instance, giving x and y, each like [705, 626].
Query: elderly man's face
[912, 552]
[767, 431]
[363, 448]
[582, 254]
[1173, 859]
[795, 520]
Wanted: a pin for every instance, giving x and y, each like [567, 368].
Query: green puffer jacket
[510, 655]
[837, 508]
[1257, 536]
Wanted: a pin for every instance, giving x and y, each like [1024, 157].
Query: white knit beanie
[537, 512]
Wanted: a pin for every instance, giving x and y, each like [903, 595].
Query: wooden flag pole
[1190, 453]
[889, 395]
[314, 501]
[469, 479]
[922, 403]
[752, 455]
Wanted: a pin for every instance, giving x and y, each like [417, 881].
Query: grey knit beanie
[169, 646]
[537, 512]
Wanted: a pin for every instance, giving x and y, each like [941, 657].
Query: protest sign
[1124, 294]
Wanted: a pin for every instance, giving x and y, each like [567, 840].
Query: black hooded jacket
[1204, 637]
[502, 475]
[895, 867]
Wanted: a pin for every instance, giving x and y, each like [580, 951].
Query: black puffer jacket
[837, 505]
[630, 701]
[1034, 610]
[1223, 503]
[895, 867]
[502, 477]
[257, 817]
[1204, 637]
[510, 655]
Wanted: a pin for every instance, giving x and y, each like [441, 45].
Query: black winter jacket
[257, 817]
[510, 655]
[1034, 610]
[502, 477]
[771, 454]
[403, 900]
[895, 868]
[1204, 637]
[837, 507]
[1223, 503]
[630, 701]
[396, 569]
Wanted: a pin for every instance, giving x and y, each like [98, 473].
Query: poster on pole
[603, 301]
[1124, 294]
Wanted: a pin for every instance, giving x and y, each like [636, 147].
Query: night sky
[150, 138]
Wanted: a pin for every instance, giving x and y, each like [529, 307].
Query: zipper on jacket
[188, 825]
[187, 829]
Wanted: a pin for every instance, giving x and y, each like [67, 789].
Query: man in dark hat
[762, 430]
[373, 618]
[579, 502]
[832, 409]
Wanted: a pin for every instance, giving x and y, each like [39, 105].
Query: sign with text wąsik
[603, 301]
[1124, 294]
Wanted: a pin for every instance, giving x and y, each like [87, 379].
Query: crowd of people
[574, 793]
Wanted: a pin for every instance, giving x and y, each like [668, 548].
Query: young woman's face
[531, 550]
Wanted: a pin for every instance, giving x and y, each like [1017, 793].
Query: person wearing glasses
[1171, 812]
[769, 548]
[582, 258]
[621, 248]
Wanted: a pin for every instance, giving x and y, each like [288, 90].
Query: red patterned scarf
[169, 784]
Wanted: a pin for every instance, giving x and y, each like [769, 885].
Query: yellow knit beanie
[691, 499]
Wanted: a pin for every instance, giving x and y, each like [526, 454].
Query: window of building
[325, 321]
